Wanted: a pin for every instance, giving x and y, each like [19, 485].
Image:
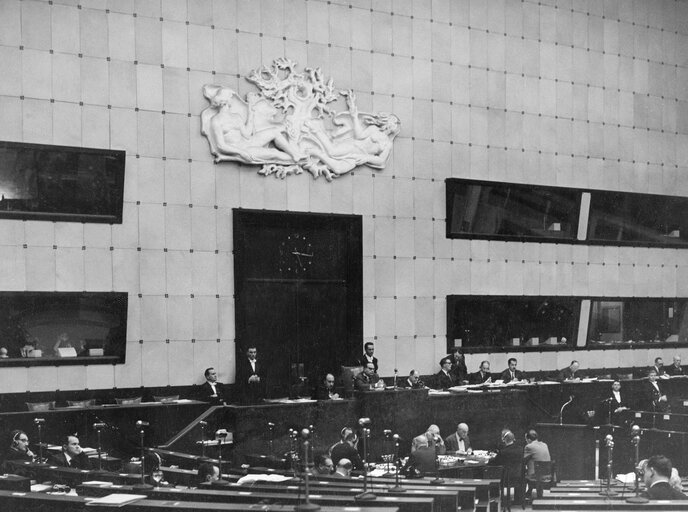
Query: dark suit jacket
[364, 383]
[423, 459]
[478, 377]
[511, 458]
[452, 443]
[660, 371]
[673, 371]
[444, 381]
[81, 461]
[566, 374]
[346, 451]
[506, 375]
[363, 361]
[663, 491]
[250, 392]
[459, 370]
[535, 451]
[406, 384]
[611, 404]
[651, 397]
[205, 393]
[322, 393]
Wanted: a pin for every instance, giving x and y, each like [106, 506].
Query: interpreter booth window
[503, 211]
[509, 323]
[61, 328]
[638, 219]
[61, 183]
[638, 321]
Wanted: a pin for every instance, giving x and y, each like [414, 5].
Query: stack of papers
[115, 500]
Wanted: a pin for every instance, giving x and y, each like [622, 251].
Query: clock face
[296, 254]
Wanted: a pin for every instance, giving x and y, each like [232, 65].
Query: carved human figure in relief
[359, 139]
[243, 132]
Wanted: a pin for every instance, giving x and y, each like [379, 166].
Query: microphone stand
[365, 495]
[561, 411]
[397, 486]
[610, 450]
[203, 425]
[142, 433]
[39, 424]
[98, 429]
[271, 437]
[636, 443]
[308, 506]
[395, 378]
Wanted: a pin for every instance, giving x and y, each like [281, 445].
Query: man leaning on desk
[71, 456]
[570, 373]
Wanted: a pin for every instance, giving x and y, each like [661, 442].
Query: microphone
[221, 433]
[609, 440]
[364, 422]
[271, 425]
[39, 421]
[305, 433]
[203, 423]
[396, 437]
[142, 424]
[387, 432]
[97, 426]
[635, 430]
[396, 371]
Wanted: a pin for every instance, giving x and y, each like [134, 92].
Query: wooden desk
[595, 504]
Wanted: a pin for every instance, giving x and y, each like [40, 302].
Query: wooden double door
[298, 294]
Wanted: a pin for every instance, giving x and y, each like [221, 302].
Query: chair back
[545, 471]
[40, 406]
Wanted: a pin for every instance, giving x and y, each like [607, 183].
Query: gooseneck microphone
[140, 424]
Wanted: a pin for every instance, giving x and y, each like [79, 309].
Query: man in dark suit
[459, 441]
[422, 458]
[570, 372]
[71, 456]
[511, 374]
[250, 377]
[367, 379]
[656, 475]
[675, 369]
[444, 379]
[212, 390]
[459, 371]
[347, 450]
[326, 389]
[614, 404]
[510, 457]
[482, 376]
[659, 366]
[368, 356]
[413, 381]
[655, 398]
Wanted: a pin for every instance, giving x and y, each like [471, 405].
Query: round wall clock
[296, 254]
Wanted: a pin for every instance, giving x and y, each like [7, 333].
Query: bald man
[459, 442]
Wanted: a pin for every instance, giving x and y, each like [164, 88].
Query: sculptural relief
[287, 127]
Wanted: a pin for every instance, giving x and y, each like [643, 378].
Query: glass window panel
[638, 218]
[34, 326]
[638, 321]
[487, 322]
[510, 211]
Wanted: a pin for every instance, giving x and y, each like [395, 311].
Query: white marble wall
[567, 92]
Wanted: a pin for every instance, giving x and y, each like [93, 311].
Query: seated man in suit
[343, 470]
[511, 374]
[659, 367]
[655, 398]
[510, 457]
[656, 475]
[534, 451]
[482, 376]
[413, 381]
[459, 441]
[675, 369]
[208, 472]
[71, 456]
[570, 373]
[212, 390]
[422, 458]
[368, 356]
[347, 450]
[326, 390]
[435, 440]
[368, 379]
[444, 379]
[322, 464]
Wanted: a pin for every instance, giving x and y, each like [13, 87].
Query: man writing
[483, 375]
[413, 381]
[570, 373]
[459, 442]
[326, 390]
